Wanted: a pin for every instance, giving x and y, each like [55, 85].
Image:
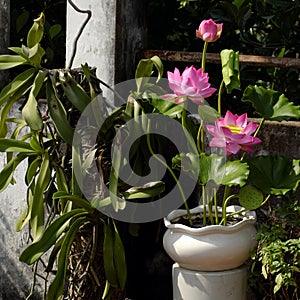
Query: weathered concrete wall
[112, 39]
[96, 46]
[4, 35]
[279, 138]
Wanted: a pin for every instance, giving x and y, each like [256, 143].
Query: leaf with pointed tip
[58, 114]
[30, 110]
[119, 259]
[78, 201]
[11, 145]
[144, 71]
[35, 55]
[11, 61]
[230, 69]
[36, 31]
[108, 255]
[166, 107]
[54, 30]
[34, 251]
[74, 92]
[17, 83]
[6, 174]
[148, 190]
[37, 209]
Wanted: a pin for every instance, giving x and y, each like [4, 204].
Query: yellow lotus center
[234, 129]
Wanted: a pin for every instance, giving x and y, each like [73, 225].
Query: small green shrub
[277, 257]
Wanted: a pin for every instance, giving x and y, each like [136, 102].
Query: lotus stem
[204, 206]
[204, 56]
[216, 206]
[224, 214]
[220, 97]
[171, 172]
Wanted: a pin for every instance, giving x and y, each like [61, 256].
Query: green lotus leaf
[273, 174]
[250, 197]
[270, 104]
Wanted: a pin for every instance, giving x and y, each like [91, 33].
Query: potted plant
[211, 242]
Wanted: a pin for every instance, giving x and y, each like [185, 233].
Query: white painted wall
[96, 45]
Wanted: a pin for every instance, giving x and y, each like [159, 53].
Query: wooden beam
[214, 58]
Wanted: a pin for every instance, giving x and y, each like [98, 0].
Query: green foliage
[215, 168]
[253, 27]
[277, 256]
[58, 113]
[270, 104]
[273, 175]
[144, 70]
[46, 145]
[114, 259]
[148, 190]
[250, 197]
[230, 69]
[53, 39]
[56, 287]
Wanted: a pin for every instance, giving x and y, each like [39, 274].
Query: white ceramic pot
[210, 248]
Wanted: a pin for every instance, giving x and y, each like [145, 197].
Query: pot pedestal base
[213, 285]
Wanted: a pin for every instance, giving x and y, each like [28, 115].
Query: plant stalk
[171, 172]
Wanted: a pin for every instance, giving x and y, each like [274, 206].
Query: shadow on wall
[15, 277]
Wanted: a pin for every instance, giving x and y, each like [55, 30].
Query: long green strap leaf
[74, 92]
[32, 169]
[108, 255]
[119, 259]
[22, 219]
[10, 61]
[34, 251]
[6, 174]
[114, 256]
[8, 101]
[16, 84]
[56, 287]
[78, 201]
[58, 114]
[3, 115]
[53, 256]
[37, 211]
[11, 145]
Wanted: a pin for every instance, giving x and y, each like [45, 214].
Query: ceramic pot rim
[249, 217]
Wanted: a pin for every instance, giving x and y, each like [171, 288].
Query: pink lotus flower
[233, 133]
[192, 84]
[209, 31]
